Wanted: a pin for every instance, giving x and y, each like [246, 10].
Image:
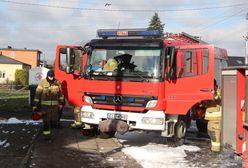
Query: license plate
[117, 116]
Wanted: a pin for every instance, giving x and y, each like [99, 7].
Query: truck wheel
[106, 135]
[202, 125]
[178, 138]
[186, 119]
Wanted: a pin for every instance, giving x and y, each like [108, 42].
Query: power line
[122, 10]
[221, 20]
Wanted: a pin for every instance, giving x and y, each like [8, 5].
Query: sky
[44, 24]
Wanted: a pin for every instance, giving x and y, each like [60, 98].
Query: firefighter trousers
[50, 118]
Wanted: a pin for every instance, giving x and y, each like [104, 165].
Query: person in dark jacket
[49, 101]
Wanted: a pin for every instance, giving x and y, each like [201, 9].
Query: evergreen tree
[156, 24]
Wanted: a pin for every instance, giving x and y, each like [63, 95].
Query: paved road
[69, 148]
[21, 145]
[15, 142]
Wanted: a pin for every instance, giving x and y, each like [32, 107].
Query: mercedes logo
[117, 99]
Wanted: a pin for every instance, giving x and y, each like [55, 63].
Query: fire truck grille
[120, 100]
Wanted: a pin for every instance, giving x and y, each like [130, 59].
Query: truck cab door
[189, 77]
[68, 70]
[69, 58]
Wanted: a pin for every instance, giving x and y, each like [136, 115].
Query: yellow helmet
[111, 65]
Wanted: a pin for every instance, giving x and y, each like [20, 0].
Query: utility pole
[246, 44]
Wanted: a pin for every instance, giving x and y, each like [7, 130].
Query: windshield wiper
[142, 77]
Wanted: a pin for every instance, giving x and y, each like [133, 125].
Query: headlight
[152, 121]
[87, 99]
[151, 103]
[87, 114]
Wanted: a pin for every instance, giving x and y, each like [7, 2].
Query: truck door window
[63, 59]
[189, 63]
[70, 57]
[205, 60]
[171, 63]
[76, 59]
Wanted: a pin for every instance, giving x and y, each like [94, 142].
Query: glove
[61, 107]
[35, 109]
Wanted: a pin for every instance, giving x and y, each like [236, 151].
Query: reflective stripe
[55, 102]
[36, 100]
[61, 98]
[46, 132]
[39, 87]
[77, 123]
[215, 143]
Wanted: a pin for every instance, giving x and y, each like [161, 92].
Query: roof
[7, 60]
[24, 49]
[235, 61]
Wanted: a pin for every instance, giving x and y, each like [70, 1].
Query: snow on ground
[149, 150]
[2, 142]
[14, 120]
[17, 121]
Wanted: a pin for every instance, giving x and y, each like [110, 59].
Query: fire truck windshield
[128, 63]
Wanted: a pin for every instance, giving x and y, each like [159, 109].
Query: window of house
[2, 74]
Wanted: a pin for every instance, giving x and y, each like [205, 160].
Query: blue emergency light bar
[105, 33]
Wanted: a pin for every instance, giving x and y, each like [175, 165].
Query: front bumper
[151, 120]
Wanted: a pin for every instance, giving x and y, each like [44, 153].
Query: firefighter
[111, 65]
[213, 115]
[49, 101]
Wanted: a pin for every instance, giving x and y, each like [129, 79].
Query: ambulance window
[62, 59]
[205, 60]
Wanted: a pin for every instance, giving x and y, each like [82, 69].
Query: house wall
[9, 70]
[29, 57]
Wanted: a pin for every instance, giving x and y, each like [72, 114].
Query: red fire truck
[143, 78]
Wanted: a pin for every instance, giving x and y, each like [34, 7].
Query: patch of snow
[6, 145]
[149, 150]
[110, 159]
[17, 121]
[158, 155]
[5, 132]
[67, 120]
[27, 122]
[14, 121]
[3, 142]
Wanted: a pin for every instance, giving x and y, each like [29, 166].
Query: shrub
[21, 77]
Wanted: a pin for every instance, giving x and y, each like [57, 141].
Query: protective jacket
[49, 94]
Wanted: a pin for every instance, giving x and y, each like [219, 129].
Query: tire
[106, 135]
[178, 138]
[186, 119]
[202, 125]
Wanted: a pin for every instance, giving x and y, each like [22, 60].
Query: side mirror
[171, 74]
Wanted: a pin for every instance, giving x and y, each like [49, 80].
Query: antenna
[119, 23]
